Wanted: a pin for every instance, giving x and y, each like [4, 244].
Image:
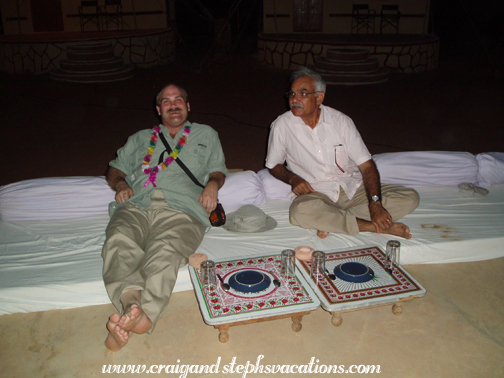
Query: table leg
[223, 332]
[397, 308]
[296, 323]
[336, 319]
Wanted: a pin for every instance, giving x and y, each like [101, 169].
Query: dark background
[51, 128]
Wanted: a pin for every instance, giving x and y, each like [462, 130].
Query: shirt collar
[166, 132]
[321, 120]
[322, 115]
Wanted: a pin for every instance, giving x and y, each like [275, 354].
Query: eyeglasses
[292, 94]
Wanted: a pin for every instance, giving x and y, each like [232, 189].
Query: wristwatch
[375, 198]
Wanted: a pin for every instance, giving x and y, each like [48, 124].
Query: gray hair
[320, 84]
[182, 90]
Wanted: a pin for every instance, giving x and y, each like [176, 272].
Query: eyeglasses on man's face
[292, 94]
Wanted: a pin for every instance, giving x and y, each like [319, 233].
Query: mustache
[175, 110]
[297, 105]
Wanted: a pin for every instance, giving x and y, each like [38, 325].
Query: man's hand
[123, 195]
[209, 196]
[300, 186]
[379, 216]
[117, 181]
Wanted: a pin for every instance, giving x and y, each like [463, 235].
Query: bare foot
[322, 234]
[398, 229]
[134, 319]
[117, 337]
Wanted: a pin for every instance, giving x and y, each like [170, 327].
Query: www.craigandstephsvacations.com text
[313, 367]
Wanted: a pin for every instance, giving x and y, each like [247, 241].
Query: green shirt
[202, 154]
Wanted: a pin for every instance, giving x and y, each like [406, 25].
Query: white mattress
[54, 264]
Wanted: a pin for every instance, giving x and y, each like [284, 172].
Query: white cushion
[273, 187]
[491, 168]
[241, 188]
[427, 168]
[77, 197]
[55, 198]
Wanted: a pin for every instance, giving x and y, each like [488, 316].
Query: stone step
[347, 55]
[114, 63]
[89, 47]
[122, 73]
[89, 55]
[379, 76]
[369, 65]
[92, 63]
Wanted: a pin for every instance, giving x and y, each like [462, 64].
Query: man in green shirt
[160, 215]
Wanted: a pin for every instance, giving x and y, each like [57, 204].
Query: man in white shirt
[330, 168]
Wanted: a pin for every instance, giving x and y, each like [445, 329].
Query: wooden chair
[389, 17]
[363, 18]
[111, 13]
[89, 12]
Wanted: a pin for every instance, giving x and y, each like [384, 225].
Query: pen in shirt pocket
[336, 158]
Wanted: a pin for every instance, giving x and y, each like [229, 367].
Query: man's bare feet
[117, 337]
[397, 229]
[134, 320]
[322, 234]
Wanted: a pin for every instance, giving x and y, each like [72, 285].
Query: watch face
[375, 198]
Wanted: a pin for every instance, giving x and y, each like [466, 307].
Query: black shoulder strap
[182, 165]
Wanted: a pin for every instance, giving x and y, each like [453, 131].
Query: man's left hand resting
[209, 196]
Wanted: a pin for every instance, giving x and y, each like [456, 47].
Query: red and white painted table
[222, 309]
[339, 296]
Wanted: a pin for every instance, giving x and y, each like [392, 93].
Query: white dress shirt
[326, 156]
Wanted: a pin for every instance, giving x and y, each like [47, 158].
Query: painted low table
[339, 296]
[222, 309]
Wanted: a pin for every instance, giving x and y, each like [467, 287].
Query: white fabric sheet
[490, 169]
[417, 169]
[54, 264]
[53, 198]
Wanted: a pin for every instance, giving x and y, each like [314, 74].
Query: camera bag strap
[179, 162]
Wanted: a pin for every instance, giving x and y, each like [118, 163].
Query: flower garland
[152, 172]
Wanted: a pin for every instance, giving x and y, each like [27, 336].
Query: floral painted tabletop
[385, 287]
[219, 306]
